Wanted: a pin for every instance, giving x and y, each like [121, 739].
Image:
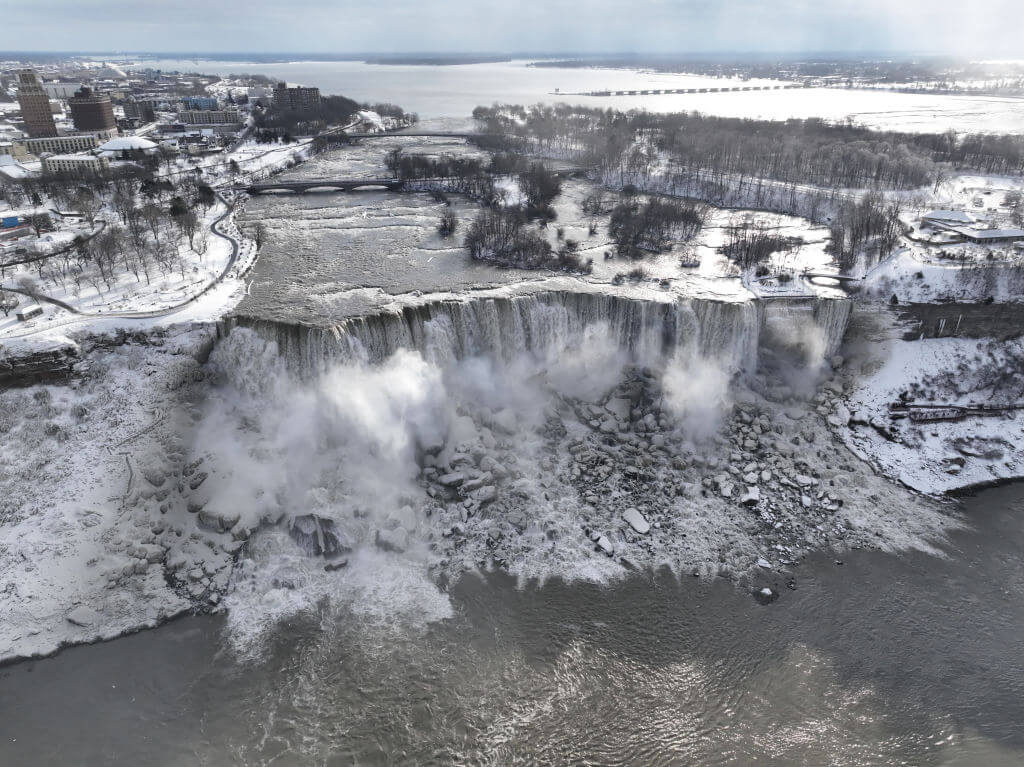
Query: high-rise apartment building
[35, 106]
[296, 99]
[92, 111]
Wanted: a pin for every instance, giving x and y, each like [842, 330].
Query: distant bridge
[672, 91]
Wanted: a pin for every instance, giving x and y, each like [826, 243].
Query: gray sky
[986, 28]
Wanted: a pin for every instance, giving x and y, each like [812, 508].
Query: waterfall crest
[544, 323]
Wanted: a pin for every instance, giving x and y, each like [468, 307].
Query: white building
[74, 164]
[116, 148]
[61, 144]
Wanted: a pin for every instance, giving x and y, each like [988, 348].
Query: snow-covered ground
[79, 561]
[939, 456]
[132, 294]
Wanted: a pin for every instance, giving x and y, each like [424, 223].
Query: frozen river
[453, 92]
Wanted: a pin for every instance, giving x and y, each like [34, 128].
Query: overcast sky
[986, 28]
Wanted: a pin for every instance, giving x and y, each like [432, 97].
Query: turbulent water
[910, 659]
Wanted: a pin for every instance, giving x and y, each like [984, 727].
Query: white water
[340, 422]
[545, 323]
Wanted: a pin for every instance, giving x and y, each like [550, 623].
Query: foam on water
[341, 422]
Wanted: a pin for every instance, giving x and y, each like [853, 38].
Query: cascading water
[502, 327]
[440, 433]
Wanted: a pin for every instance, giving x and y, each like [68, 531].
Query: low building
[199, 103]
[74, 164]
[125, 146]
[61, 144]
[946, 218]
[15, 149]
[11, 169]
[210, 117]
[991, 236]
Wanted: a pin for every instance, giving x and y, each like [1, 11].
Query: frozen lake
[453, 92]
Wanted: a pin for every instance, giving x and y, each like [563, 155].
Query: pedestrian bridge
[324, 184]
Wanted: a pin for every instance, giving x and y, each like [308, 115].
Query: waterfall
[504, 326]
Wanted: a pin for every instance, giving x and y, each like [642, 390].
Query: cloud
[990, 27]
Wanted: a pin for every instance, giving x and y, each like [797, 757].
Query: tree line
[809, 151]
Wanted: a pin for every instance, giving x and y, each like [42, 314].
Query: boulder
[219, 519]
[751, 497]
[82, 616]
[618, 407]
[605, 545]
[484, 494]
[840, 416]
[636, 520]
[452, 479]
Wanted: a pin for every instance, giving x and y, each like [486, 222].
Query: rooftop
[957, 216]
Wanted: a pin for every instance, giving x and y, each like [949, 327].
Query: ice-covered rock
[452, 478]
[752, 496]
[219, 519]
[840, 416]
[484, 494]
[82, 616]
[636, 520]
[618, 407]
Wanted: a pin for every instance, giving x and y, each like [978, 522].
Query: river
[453, 92]
[877, 659]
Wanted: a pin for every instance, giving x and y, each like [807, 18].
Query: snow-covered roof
[992, 234]
[953, 216]
[127, 143]
[11, 168]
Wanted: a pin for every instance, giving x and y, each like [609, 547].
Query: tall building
[35, 106]
[92, 111]
[296, 99]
